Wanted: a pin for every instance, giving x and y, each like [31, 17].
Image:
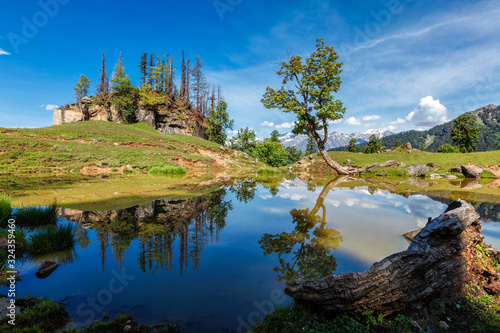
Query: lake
[219, 262]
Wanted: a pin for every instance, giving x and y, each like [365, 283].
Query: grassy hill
[99, 147]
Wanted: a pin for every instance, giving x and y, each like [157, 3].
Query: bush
[5, 209]
[268, 171]
[51, 238]
[36, 216]
[447, 148]
[168, 170]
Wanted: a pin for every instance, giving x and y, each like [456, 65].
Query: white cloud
[338, 121]
[332, 202]
[428, 113]
[286, 125]
[353, 121]
[351, 202]
[293, 197]
[3, 52]
[398, 121]
[267, 124]
[49, 107]
[368, 205]
[371, 118]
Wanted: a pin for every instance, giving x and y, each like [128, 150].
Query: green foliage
[351, 147]
[464, 133]
[274, 136]
[126, 224]
[244, 140]
[36, 216]
[36, 316]
[5, 209]
[151, 98]
[126, 102]
[396, 144]
[311, 147]
[218, 124]
[447, 148]
[51, 238]
[81, 88]
[20, 237]
[271, 153]
[168, 170]
[373, 146]
[317, 78]
[293, 154]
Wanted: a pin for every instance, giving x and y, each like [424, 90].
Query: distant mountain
[334, 139]
[487, 120]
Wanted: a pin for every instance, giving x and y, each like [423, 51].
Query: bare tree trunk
[331, 163]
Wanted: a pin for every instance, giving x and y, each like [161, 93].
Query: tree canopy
[81, 88]
[464, 133]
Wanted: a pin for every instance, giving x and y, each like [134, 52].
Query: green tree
[315, 80]
[464, 133]
[351, 147]
[396, 144]
[218, 124]
[271, 152]
[81, 88]
[373, 146]
[244, 140]
[275, 136]
[293, 154]
[120, 82]
[311, 147]
[143, 68]
[447, 148]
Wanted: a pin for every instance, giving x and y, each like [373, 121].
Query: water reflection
[193, 222]
[311, 243]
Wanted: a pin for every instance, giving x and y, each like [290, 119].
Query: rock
[418, 170]
[408, 145]
[4, 243]
[451, 177]
[46, 268]
[417, 182]
[431, 165]
[435, 176]
[348, 162]
[4, 303]
[408, 151]
[471, 184]
[443, 325]
[436, 260]
[471, 171]
[127, 328]
[456, 170]
[391, 163]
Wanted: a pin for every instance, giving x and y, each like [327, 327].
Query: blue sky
[407, 64]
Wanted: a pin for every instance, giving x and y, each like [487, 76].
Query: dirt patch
[494, 169]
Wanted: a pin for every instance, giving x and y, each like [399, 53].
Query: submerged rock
[436, 259]
[46, 268]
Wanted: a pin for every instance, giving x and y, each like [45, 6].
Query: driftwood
[435, 260]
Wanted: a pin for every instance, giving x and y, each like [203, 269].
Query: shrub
[51, 238]
[5, 209]
[447, 148]
[268, 171]
[36, 216]
[168, 170]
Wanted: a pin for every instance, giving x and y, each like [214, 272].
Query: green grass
[5, 208]
[19, 235]
[268, 171]
[168, 170]
[36, 316]
[36, 216]
[145, 127]
[50, 239]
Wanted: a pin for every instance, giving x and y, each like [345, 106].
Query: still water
[219, 262]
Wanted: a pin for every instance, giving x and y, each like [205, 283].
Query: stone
[348, 162]
[431, 165]
[451, 177]
[418, 182]
[406, 279]
[443, 325]
[408, 151]
[418, 170]
[410, 235]
[127, 328]
[4, 303]
[46, 268]
[471, 171]
[456, 170]
[408, 145]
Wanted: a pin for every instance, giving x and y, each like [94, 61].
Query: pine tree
[351, 147]
[183, 77]
[81, 88]
[103, 87]
[143, 68]
[150, 69]
[373, 146]
[311, 147]
[465, 133]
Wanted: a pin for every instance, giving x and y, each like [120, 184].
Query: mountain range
[487, 120]
[335, 139]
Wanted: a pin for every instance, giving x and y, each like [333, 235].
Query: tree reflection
[306, 252]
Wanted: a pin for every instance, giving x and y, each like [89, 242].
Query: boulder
[437, 259]
[348, 161]
[418, 170]
[408, 145]
[471, 171]
[46, 268]
[456, 170]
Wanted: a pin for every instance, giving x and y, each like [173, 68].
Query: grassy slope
[71, 146]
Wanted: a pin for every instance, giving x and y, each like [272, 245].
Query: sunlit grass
[50, 239]
[268, 171]
[168, 170]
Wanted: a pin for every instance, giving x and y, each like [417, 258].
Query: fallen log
[437, 258]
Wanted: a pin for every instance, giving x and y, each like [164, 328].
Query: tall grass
[168, 170]
[268, 171]
[5, 209]
[51, 238]
[19, 236]
[36, 216]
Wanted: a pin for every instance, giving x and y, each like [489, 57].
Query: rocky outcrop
[46, 268]
[172, 117]
[437, 258]
[471, 171]
[418, 170]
